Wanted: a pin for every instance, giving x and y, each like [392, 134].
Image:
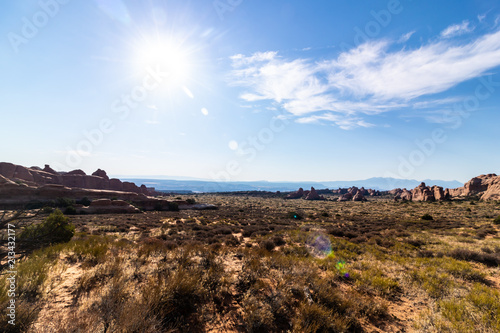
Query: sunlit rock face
[99, 180]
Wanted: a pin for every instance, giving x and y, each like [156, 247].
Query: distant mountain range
[187, 186]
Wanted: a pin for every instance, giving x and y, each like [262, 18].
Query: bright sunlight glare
[166, 55]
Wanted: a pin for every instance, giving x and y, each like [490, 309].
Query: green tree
[55, 229]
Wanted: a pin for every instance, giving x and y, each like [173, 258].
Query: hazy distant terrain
[379, 183]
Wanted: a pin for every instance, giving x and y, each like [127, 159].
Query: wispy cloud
[370, 79]
[457, 29]
[406, 37]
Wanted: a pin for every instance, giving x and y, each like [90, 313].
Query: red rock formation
[48, 169]
[76, 172]
[346, 197]
[403, 195]
[101, 173]
[438, 193]
[487, 187]
[395, 191]
[447, 194]
[313, 195]
[296, 195]
[23, 174]
[7, 170]
[99, 180]
[422, 193]
[359, 196]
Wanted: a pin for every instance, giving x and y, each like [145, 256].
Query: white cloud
[406, 37]
[367, 80]
[456, 30]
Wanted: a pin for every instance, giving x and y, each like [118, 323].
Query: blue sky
[253, 90]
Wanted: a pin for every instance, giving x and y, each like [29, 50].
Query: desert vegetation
[265, 265]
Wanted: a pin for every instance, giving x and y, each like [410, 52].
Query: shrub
[173, 206]
[268, 245]
[175, 297]
[427, 217]
[64, 202]
[70, 210]
[191, 201]
[294, 215]
[468, 255]
[316, 318]
[55, 229]
[47, 210]
[278, 240]
[84, 201]
[257, 315]
[497, 220]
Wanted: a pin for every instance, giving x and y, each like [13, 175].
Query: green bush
[55, 229]
[70, 210]
[427, 217]
[191, 201]
[47, 210]
[497, 220]
[84, 201]
[64, 202]
[173, 206]
[294, 215]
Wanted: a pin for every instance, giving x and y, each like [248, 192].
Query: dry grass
[252, 267]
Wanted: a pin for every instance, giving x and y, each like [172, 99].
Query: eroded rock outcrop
[296, 195]
[346, 197]
[422, 193]
[403, 195]
[359, 196]
[99, 180]
[313, 195]
[107, 206]
[486, 187]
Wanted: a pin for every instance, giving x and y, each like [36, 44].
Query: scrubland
[263, 264]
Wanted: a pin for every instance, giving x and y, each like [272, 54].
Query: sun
[167, 56]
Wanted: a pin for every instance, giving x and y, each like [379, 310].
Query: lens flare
[320, 246]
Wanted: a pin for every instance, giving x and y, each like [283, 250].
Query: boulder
[296, 195]
[313, 195]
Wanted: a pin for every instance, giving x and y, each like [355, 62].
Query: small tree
[55, 229]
